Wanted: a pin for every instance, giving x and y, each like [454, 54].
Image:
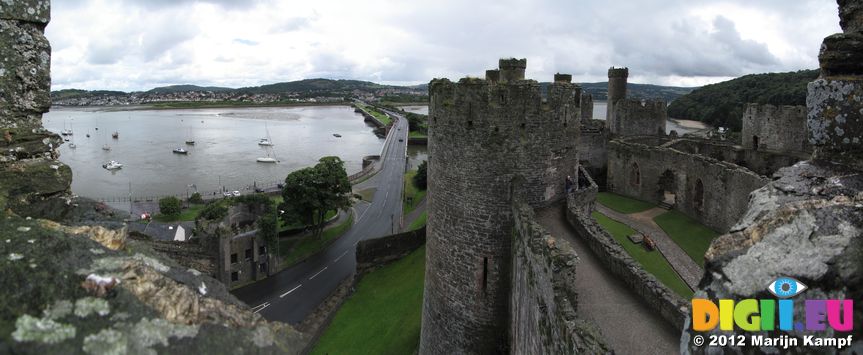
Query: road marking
[340, 256]
[289, 292]
[364, 214]
[318, 273]
[356, 242]
[261, 307]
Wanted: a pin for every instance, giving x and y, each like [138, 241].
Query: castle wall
[373, 253]
[776, 128]
[543, 300]
[713, 192]
[488, 141]
[592, 153]
[638, 117]
[616, 91]
[33, 182]
[761, 162]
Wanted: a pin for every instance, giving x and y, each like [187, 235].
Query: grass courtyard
[622, 204]
[384, 315]
[693, 237]
[652, 261]
[187, 214]
[293, 250]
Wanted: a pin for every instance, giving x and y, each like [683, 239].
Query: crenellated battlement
[618, 72]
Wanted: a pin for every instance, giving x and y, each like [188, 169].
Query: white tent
[180, 236]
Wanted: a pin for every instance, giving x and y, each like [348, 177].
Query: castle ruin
[489, 140]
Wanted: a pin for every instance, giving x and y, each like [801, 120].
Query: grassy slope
[411, 191]
[693, 237]
[304, 247]
[622, 204]
[377, 114]
[188, 214]
[653, 261]
[419, 222]
[383, 316]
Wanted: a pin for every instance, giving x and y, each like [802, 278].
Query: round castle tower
[489, 140]
[616, 91]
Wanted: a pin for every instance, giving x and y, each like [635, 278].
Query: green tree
[269, 229]
[421, 179]
[196, 198]
[310, 192]
[170, 206]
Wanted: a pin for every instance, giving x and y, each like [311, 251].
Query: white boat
[266, 141]
[115, 135]
[190, 140]
[112, 165]
[106, 147]
[72, 146]
[267, 160]
[180, 151]
[66, 132]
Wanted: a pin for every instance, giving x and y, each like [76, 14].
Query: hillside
[313, 85]
[722, 104]
[599, 90]
[183, 88]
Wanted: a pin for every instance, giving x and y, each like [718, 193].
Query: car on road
[236, 193]
[401, 140]
[259, 189]
[227, 194]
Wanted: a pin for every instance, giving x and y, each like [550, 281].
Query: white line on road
[356, 242]
[262, 306]
[289, 292]
[318, 273]
[340, 256]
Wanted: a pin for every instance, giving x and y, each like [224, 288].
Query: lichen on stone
[42, 330]
[158, 331]
[86, 306]
[59, 309]
[107, 341]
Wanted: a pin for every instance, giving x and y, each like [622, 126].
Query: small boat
[337, 135]
[267, 160]
[88, 135]
[106, 147]
[66, 132]
[115, 135]
[190, 142]
[180, 151]
[265, 142]
[72, 146]
[66, 140]
[112, 165]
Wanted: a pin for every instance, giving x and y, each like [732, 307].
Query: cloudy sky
[140, 44]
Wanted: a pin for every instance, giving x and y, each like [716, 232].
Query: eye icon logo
[786, 287]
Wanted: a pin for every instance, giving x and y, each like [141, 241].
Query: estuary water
[223, 156]
[599, 108]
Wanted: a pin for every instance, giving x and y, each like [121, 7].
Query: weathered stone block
[25, 78]
[842, 54]
[835, 120]
[851, 15]
[38, 11]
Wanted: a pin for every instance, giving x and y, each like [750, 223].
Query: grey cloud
[103, 52]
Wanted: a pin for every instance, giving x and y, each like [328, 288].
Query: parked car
[227, 194]
[259, 189]
[236, 193]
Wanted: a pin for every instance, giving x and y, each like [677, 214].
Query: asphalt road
[293, 293]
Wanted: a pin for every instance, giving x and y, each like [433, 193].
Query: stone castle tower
[616, 90]
[489, 140]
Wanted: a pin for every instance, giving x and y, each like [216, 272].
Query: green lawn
[415, 134]
[411, 191]
[368, 194]
[302, 247]
[622, 204]
[419, 222]
[187, 214]
[693, 237]
[384, 315]
[377, 114]
[652, 261]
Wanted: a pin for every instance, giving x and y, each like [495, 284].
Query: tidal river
[223, 156]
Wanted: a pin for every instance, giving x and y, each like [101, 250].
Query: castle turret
[616, 91]
[512, 69]
[488, 142]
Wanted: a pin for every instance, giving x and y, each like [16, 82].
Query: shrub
[170, 206]
[196, 198]
[421, 179]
